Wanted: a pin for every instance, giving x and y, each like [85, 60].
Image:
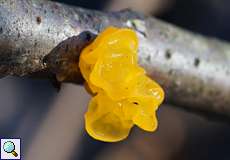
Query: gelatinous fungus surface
[123, 96]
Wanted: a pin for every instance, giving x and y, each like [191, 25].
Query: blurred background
[51, 123]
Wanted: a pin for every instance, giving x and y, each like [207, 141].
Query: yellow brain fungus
[123, 95]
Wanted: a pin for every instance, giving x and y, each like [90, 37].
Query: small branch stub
[63, 59]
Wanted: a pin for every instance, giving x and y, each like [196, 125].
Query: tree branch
[194, 70]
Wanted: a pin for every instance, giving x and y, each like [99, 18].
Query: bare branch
[194, 70]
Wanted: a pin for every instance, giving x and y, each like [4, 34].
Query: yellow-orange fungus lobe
[123, 95]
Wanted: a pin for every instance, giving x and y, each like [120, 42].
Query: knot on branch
[63, 59]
